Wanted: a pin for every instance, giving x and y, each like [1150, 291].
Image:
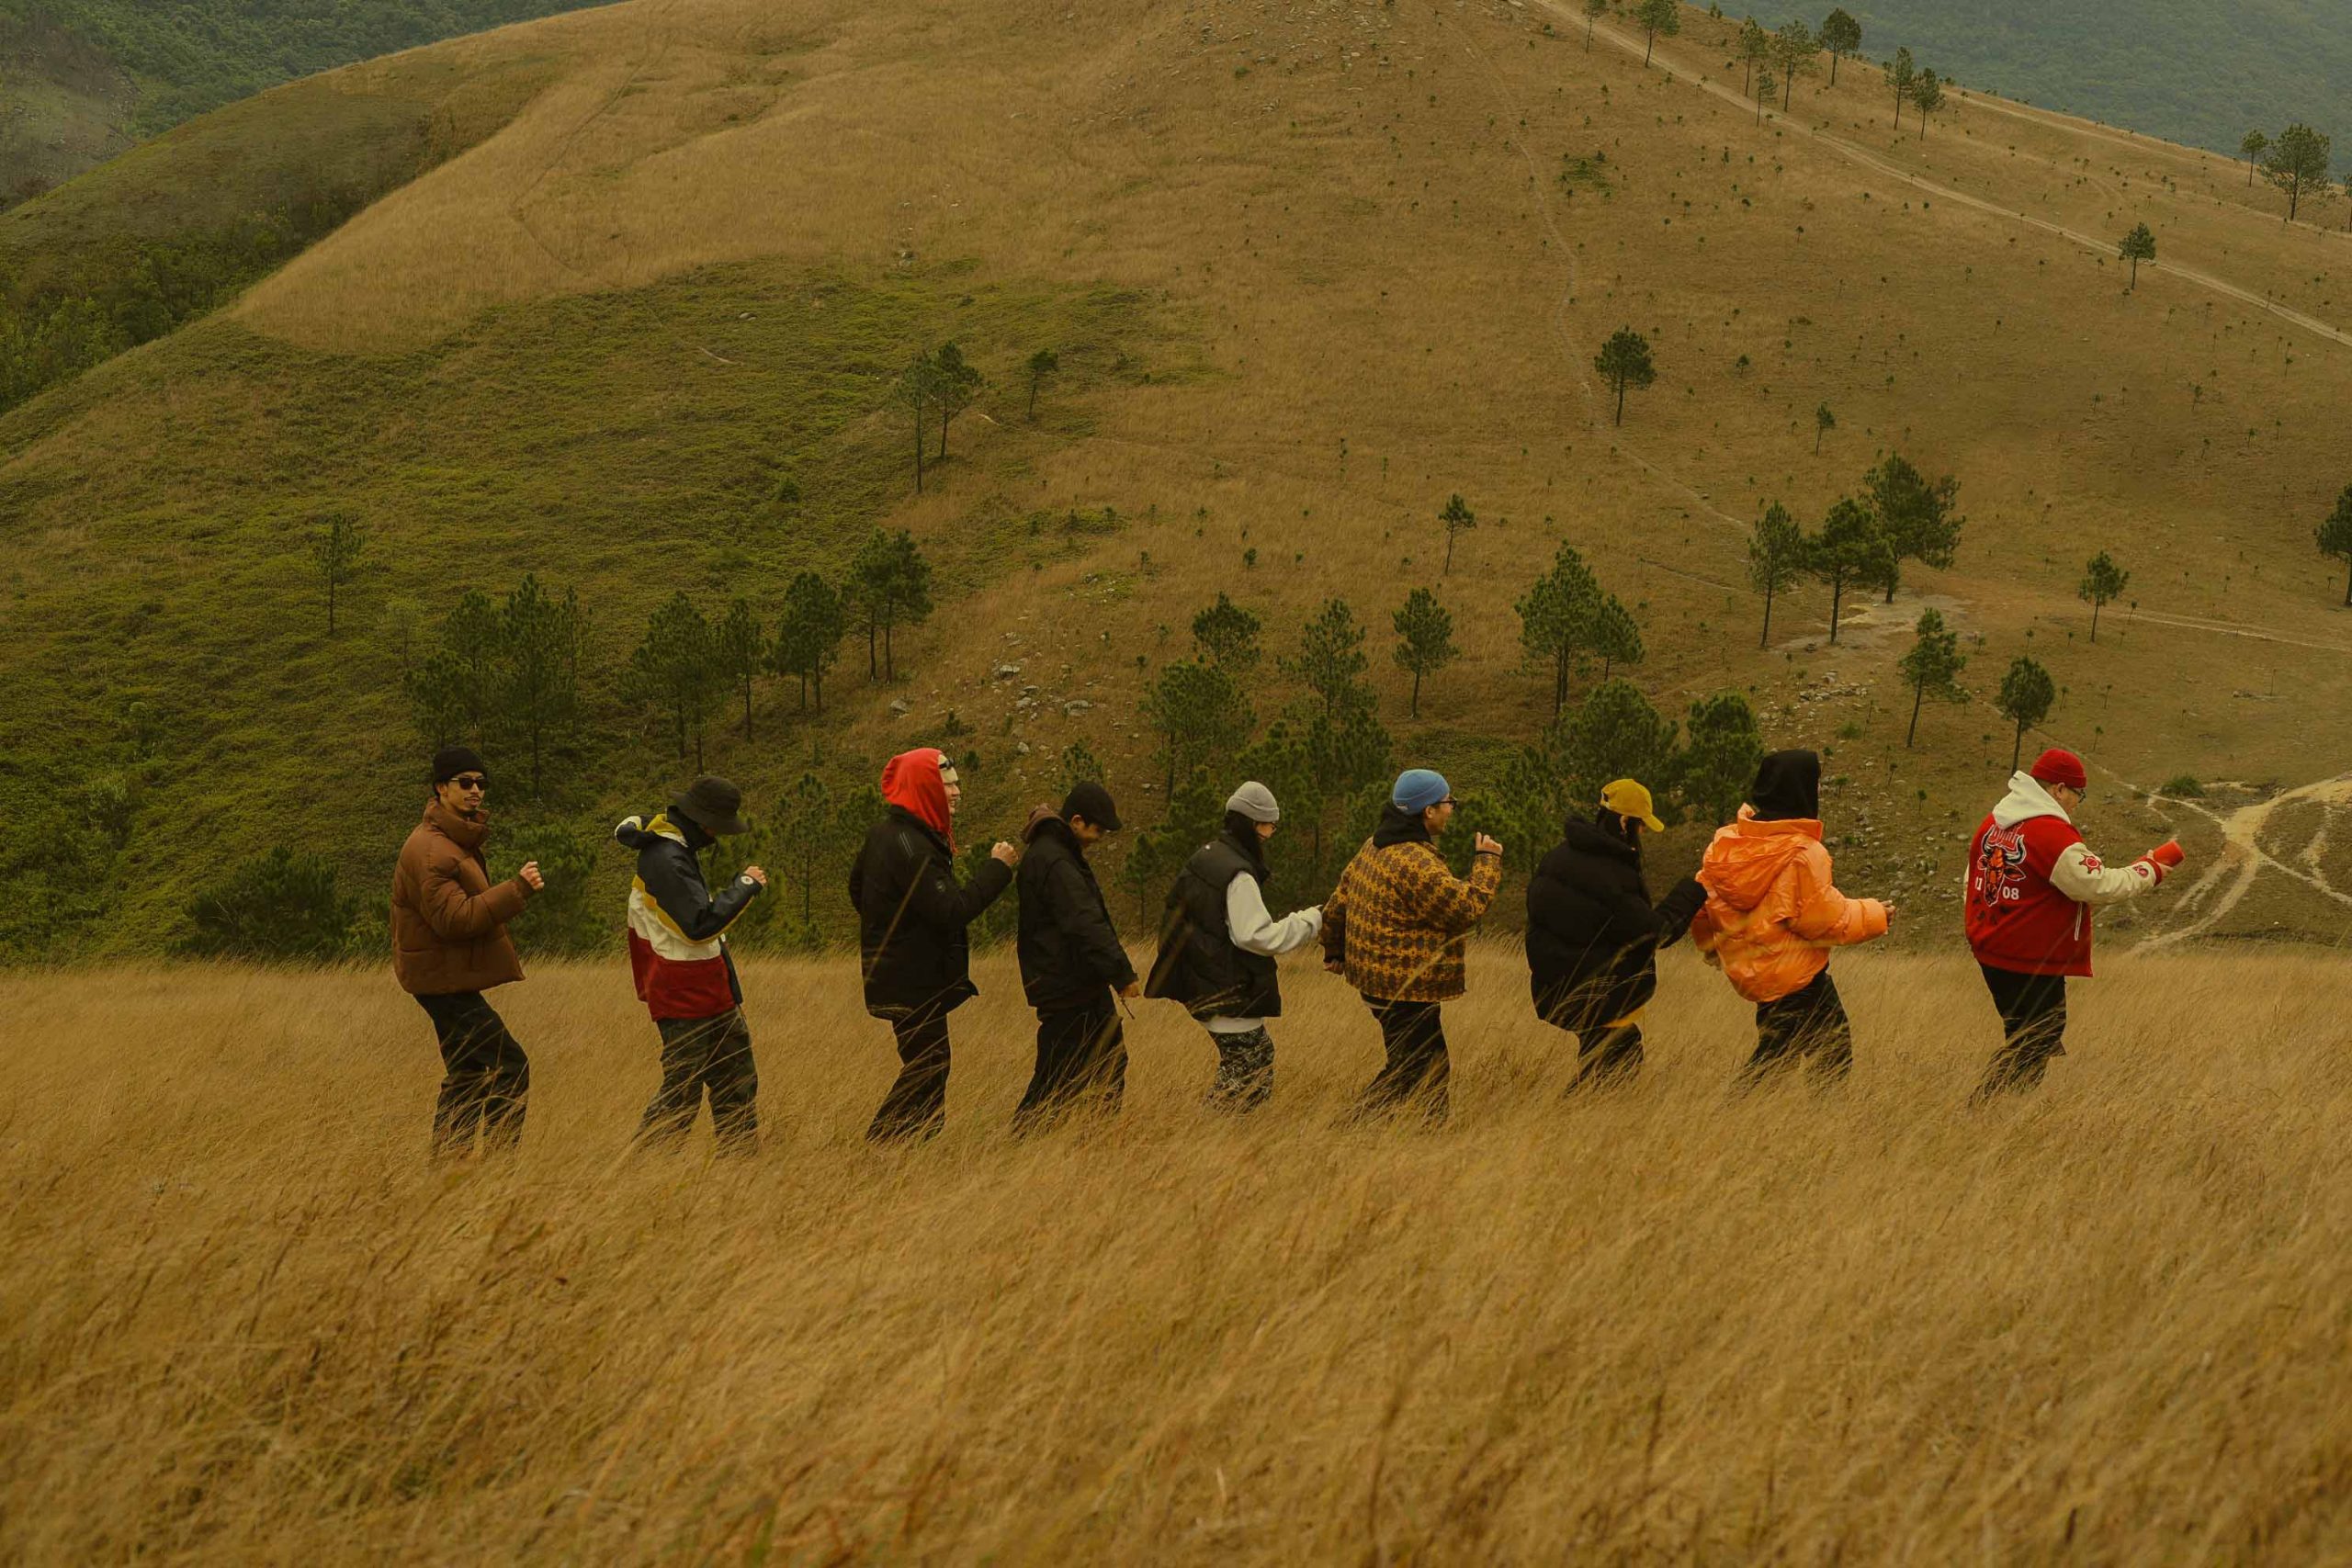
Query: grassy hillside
[1310, 270]
[82, 80]
[2198, 73]
[1656, 1326]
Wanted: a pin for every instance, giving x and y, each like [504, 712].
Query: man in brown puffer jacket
[449, 944]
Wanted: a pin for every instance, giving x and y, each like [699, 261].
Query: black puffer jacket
[1592, 934]
[1070, 950]
[910, 917]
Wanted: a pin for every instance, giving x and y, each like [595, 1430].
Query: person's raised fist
[1485, 845]
[530, 875]
[1005, 853]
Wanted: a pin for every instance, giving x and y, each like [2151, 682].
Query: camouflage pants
[1244, 1070]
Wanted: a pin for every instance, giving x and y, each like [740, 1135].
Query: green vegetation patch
[170, 698]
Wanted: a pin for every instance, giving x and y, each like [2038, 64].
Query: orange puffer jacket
[1773, 914]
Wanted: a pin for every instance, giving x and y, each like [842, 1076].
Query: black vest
[1198, 964]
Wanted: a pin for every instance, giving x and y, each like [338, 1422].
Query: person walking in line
[2032, 884]
[1772, 915]
[1397, 927]
[1217, 947]
[1071, 961]
[1593, 935]
[685, 976]
[450, 945]
[911, 918]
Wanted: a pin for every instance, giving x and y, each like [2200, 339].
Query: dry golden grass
[244, 1323]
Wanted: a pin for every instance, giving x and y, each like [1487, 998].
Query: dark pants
[1415, 1076]
[1081, 1057]
[1809, 1025]
[485, 1080]
[916, 1106]
[2033, 1028]
[699, 1055]
[1244, 1070]
[1607, 1055]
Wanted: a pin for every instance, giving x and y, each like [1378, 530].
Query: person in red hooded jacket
[911, 912]
[2032, 884]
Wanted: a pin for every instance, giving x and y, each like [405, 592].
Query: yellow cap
[1628, 799]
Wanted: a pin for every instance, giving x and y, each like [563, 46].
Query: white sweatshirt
[1255, 931]
[2077, 874]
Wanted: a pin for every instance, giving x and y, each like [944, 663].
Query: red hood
[910, 782]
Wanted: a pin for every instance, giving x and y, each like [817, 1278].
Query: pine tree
[1593, 11]
[1625, 360]
[1932, 667]
[1615, 638]
[1226, 636]
[2254, 146]
[1927, 92]
[1916, 516]
[1794, 47]
[1755, 46]
[2298, 163]
[2140, 245]
[1720, 755]
[1042, 363]
[1841, 36]
[1823, 421]
[1900, 74]
[2025, 698]
[1424, 639]
[739, 652]
[335, 548]
[1198, 711]
[2103, 583]
[889, 586]
[1849, 549]
[1555, 620]
[475, 637]
[541, 638]
[675, 670]
[1657, 17]
[809, 640]
[1617, 734]
[804, 832]
[918, 392]
[1331, 660]
[2335, 538]
[1775, 559]
[955, 384]
[1457, 518]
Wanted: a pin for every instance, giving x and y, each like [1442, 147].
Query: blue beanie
[1418, 789]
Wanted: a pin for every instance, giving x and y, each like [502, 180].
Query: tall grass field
[243, 1321]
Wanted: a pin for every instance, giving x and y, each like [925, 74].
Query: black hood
[1788, 787]
[1600, 838]
[1399, 826]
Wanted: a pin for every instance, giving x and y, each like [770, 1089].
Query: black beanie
[451, 760]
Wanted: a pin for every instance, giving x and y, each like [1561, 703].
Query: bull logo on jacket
[2000, 866]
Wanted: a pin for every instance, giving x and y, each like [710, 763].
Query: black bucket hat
[713, 804]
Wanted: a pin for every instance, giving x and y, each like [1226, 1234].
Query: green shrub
[276, 907]
[2184, 786]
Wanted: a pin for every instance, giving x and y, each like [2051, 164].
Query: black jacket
[1198, 964]
[1070, 950]
[1592, 934]
[669, 871]
[910, 917]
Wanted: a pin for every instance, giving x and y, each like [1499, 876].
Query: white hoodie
[2077, 874]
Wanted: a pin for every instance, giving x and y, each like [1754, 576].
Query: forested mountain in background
[2184, 70]
[82, 80]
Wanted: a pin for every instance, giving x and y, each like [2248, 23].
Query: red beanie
[2057, 767]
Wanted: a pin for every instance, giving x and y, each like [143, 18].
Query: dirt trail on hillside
[2224, 885]
[1877, 164]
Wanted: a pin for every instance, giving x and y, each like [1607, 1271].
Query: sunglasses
[471, 780]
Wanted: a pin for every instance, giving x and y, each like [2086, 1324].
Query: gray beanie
[1256, 801]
